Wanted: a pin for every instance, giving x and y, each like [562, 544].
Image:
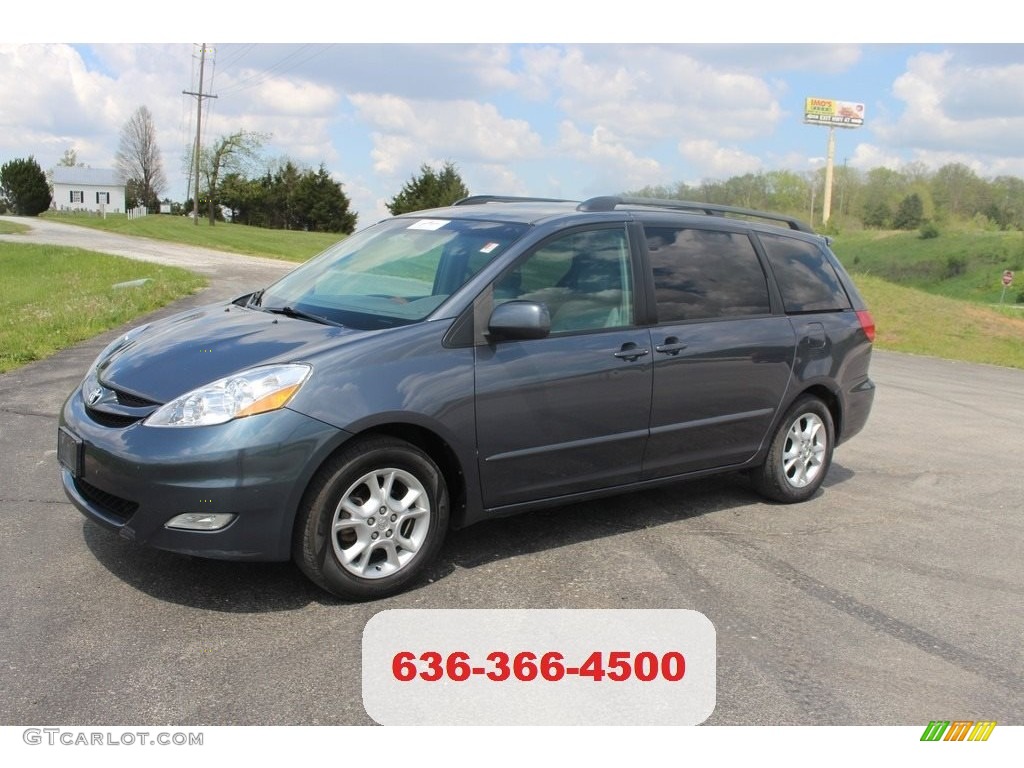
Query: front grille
[132, 401]
[114, 506]
[112, 420]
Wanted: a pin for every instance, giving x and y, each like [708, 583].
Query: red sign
[1008, 277]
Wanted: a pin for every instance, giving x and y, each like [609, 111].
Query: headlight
[257, 390]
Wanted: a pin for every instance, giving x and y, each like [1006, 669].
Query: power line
[281, 67]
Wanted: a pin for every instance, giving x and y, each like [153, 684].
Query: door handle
[672, 346]
[631, 352]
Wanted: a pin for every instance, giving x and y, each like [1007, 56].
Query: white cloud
[957, 108]
[644, 93]
[296, 97]
[494, 179]
[618, 167]
[868, 156]
[58, 97]
[713, 161]
[407, 132]
[47, 90]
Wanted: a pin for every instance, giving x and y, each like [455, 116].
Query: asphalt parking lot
[891, 598]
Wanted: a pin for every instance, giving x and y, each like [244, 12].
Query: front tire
[373, 518]
[800, 453]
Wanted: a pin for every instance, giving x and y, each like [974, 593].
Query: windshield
[394, 273]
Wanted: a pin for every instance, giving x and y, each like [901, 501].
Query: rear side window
[806, 278]
[702, 273]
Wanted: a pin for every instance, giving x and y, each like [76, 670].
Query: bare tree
[138, 157]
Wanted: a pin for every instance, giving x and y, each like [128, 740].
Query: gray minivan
[449, 366]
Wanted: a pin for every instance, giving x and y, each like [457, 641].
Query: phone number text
[526, 666]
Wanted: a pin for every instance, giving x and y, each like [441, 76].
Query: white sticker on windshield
[428, 224]
[489, 247]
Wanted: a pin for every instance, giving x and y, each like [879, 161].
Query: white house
[87, 189]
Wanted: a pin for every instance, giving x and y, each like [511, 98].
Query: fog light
[198, 521]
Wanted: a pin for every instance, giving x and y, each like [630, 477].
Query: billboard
[840, 114]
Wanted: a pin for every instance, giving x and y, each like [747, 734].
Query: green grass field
[960, 264]
[53, 297]
[234, 238]
[912, 320]
[10, 228]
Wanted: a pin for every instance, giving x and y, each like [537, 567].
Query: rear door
[722, 359]
[567, 413]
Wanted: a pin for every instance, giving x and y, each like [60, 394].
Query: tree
[321, 206]
[289, 197]
[23, 186]
[229, 154]
[429, 190]
[910, 214]
[138, 158]
[958, 191]
[787, 191]
[247, 198]
[70, 159]
[877, 215]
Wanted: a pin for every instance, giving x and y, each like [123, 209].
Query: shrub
[955, 265]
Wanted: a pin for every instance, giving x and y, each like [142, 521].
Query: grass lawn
[959, 263]
[234, 238]
[10, 228]
[53, 297]
[911, 320]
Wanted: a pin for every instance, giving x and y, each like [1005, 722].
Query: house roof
[87, 177]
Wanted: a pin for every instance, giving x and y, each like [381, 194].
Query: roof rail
[610, 203]
[481, 199]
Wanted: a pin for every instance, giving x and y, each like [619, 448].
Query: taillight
[867, 323]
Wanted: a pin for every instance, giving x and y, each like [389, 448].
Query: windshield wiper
[298, 313]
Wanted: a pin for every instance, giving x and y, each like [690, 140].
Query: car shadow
[241, 587]
[586, 521]
[196, 582]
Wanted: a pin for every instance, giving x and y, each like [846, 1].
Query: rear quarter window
[806, 279]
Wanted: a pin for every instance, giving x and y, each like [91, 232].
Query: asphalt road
[892, 598]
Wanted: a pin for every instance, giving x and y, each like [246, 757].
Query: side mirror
[515, 320]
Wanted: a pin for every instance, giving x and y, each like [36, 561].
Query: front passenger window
[583, 278]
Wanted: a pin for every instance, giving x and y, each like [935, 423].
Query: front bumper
[134, 479]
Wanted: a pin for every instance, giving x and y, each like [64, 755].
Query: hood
[176, 355]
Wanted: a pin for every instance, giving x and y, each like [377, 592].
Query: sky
[527, 100]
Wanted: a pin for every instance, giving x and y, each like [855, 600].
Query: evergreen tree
[429, 190]
[320, 204]
[910, 214]
[23, 185]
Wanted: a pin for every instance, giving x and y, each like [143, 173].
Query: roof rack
[610, 203]
[481, 199]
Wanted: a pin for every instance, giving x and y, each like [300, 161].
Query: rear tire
[372, 519]
[800, 453]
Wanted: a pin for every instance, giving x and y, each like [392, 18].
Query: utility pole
[826, 209]
[199, 122]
